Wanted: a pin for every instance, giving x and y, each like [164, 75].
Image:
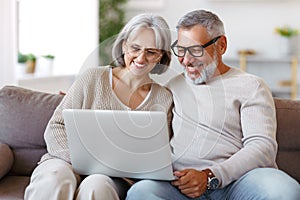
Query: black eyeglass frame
[188, 48]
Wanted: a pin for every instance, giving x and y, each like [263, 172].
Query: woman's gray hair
[204, 18]
[162, 38]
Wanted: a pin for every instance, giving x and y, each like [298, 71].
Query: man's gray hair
[162, 38]
[204, 18]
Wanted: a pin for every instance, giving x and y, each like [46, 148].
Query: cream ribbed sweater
[92, 90]
[227, 125]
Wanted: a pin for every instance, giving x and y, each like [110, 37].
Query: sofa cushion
[6, 159]
[288, 123]
[24, 115]
[288, 136]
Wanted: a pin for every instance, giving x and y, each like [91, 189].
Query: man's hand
[191, 182]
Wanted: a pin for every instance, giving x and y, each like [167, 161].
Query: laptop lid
[118, 143]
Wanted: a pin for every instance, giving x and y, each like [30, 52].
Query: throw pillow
[6, 159]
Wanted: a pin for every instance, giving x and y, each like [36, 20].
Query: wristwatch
[212, 181]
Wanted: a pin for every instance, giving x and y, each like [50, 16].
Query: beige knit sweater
[92, 90]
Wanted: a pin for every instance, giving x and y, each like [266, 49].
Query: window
[66, 29]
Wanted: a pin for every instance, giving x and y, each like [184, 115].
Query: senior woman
[141, 48]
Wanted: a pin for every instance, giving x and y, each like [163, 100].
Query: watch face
[213, 183]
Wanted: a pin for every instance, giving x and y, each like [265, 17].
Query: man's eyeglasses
[195, 50]
[151, 54]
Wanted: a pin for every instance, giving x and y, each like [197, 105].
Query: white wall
[248, 23]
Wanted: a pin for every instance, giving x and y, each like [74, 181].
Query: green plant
[49, 56]
[22, 58]
[111, 21]
[31, 57]
[111, 18]
[286, 31]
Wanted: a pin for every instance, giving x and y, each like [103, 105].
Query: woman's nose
[141, 56]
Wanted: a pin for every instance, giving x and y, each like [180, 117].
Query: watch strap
[212, 181]
[208, 173]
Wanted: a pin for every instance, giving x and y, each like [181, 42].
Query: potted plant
[45, 64]
[286, 31]
[288, 39]
[30, 63]
[48, 56]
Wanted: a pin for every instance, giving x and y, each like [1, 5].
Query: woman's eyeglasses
[151, 54]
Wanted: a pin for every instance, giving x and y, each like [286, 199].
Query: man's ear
[222, 44]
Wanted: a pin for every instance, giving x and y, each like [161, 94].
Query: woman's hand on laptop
[191, 182]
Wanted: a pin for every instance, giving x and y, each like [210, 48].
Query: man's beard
[206, 73]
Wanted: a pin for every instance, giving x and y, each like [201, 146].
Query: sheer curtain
[8, 41]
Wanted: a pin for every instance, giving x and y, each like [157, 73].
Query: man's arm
[258, 123]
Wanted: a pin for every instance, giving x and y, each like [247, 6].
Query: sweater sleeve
[258, 123]
[55, 134]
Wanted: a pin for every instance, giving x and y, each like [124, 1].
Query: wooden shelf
[284, 86]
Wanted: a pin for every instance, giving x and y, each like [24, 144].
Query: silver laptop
[133, 144]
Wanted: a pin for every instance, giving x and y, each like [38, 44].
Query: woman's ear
[161, 57]
[123, 46]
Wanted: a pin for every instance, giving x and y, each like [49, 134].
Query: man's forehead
[195, 35]
[187, 40]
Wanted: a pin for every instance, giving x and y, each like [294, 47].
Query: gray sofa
[24, 115]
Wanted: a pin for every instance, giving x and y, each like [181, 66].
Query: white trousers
[54, 179]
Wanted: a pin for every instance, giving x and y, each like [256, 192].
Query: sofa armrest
[6, 159]
[24, 115]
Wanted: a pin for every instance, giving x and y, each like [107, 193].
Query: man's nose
[186, 59]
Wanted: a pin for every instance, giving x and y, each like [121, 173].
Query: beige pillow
[6, 159]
